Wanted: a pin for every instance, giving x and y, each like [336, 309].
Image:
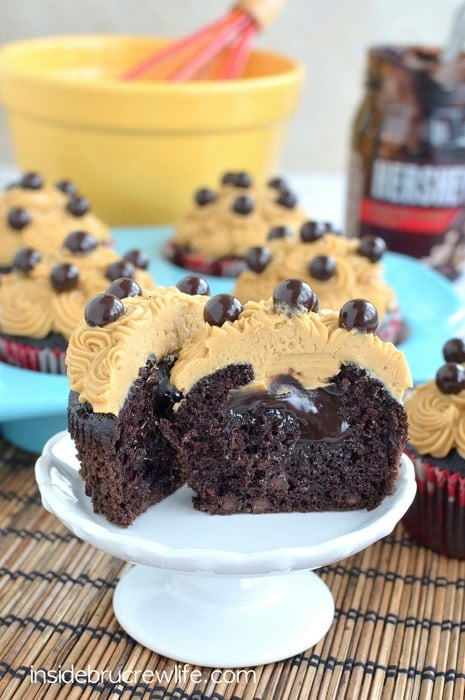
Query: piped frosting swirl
[39, 218]
[355, 275]
[32, 307]
[436, 420]
[436, 409]
[104, 361]
[309, 346]
[219, 226]
[280, 336]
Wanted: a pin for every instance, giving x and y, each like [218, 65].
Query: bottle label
[420, 220]
[413, 185]
[419, 199]
[419, 209]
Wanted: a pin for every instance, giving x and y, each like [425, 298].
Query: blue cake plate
[33, 405]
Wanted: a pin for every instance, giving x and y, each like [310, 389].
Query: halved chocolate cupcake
[286, 408]
[119, 359]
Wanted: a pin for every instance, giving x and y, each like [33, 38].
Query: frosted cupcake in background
[213, 236]
[436, 415]
[43, 297]
[337, 268]
[34, 214]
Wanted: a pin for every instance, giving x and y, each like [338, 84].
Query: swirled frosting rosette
[213, 236]
[436, 416]
[436, 421]
[337, 268]
[43, 298]
[39, 215]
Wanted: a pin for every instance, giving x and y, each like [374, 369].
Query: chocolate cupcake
[214, 235]
[337, 268]
[38, 215]
[270, 407]
[43, 298]
[436, 414]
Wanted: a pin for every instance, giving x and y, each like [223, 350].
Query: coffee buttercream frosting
[347, 273]
[38, 215]
[309, 346]
[436, 420]
[32, 305]
[104, 361]
[236, 216]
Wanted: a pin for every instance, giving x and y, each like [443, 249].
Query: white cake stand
[212, 590]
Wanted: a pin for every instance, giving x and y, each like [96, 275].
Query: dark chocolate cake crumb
[126, 462]
[257, 460]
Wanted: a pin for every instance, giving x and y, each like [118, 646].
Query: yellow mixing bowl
[138, 150]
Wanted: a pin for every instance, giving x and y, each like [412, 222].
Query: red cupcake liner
[49, 360]
[436, 517]
[392, 327]
[196, 262]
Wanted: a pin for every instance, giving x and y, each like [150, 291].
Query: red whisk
[218, 50]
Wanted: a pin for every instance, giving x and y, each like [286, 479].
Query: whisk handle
[262, 11]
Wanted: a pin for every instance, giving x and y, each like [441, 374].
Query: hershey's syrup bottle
[406, 180]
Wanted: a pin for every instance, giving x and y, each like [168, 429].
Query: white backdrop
[329, 36]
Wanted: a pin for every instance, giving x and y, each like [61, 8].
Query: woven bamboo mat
[398, 631]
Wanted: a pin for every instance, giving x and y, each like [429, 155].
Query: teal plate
[33, 405]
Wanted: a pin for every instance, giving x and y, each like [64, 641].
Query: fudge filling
[317, 410]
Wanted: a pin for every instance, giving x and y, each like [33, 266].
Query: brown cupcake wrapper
[49, 360]
[436, 517]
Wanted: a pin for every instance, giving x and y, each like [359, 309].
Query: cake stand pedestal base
[215, 620]
[193, 600]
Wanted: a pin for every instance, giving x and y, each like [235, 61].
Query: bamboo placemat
[398, 630]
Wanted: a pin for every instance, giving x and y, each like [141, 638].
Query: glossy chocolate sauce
[317, 410]
[166, 395]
